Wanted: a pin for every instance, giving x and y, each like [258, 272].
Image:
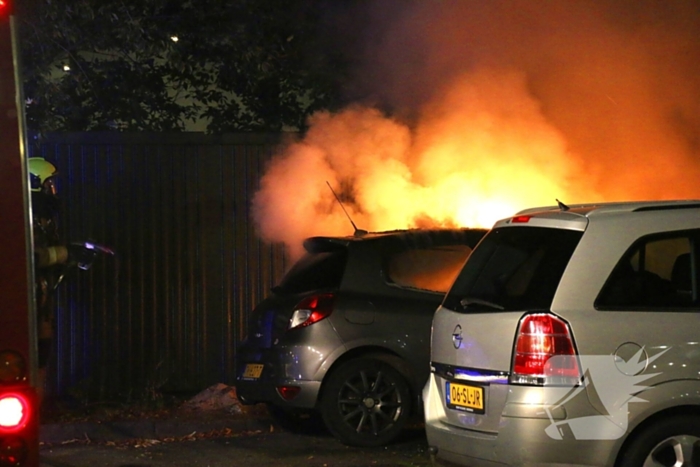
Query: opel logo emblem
[457, 337]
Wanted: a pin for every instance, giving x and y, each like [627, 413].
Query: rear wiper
[466, 301]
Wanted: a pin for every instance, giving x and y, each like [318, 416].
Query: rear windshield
[433, 269]
[314, 271]
[513, 268]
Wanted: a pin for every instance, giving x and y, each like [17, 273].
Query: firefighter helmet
[40, 173]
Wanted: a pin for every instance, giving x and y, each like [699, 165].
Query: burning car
[346, 333]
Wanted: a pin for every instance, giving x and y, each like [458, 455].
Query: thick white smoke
[497, 106]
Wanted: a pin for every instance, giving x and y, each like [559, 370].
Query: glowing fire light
[497, 106]
[479, 154]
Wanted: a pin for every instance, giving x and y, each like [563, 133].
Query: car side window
[656, 273]
[432, 269]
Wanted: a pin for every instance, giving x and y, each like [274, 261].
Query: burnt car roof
[329, 243]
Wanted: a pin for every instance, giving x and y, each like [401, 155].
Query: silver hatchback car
[346, 333]
[572, 337]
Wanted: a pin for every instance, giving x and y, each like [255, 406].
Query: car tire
[366, 402]
[671, 441]
[296, 420]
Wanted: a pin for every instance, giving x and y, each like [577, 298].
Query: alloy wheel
[676, 451]
[366, 402]
[370, 402]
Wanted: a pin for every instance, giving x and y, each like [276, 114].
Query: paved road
[275, 449]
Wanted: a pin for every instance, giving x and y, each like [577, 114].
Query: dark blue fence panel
[168, 310]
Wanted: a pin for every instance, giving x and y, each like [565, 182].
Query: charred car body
[346, 333]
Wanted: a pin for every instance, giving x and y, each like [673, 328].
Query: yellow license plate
[464, 397]
[253, 371]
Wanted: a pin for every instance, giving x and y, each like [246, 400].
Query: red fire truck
[19, 442]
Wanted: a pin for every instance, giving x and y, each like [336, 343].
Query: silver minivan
[572, 337]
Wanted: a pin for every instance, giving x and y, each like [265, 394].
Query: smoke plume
[468, 111]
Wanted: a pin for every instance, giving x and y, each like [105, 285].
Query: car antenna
[562, 206]
[358, 232]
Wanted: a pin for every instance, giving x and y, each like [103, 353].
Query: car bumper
[294, 361]
[513, 446]
[519, 440]
[253, 392]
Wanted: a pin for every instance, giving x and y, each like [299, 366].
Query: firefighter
[51, 255]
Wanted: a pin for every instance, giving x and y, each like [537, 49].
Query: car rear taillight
[311, 310]
[544, 352]
[14, 412]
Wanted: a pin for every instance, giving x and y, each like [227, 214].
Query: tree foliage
[240, 65]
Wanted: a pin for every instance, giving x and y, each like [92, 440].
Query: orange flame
[504, 104]
[481, 153]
